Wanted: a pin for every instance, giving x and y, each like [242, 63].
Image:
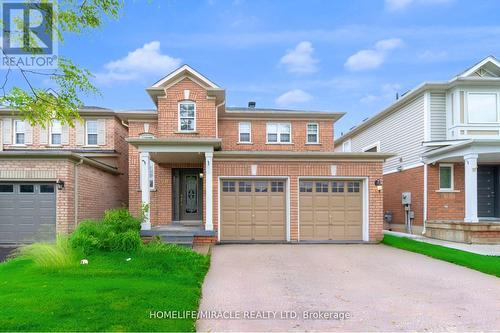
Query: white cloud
[294, 96]
[397, 5]
[372, 58]
[300, 59]
[139, 63]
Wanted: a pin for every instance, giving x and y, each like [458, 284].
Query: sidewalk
[484, 249]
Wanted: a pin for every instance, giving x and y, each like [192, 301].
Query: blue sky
[346, 56]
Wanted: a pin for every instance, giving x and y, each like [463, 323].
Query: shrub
[117, 231]
[51, 255]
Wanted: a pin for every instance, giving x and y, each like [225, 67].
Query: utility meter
[406, 198]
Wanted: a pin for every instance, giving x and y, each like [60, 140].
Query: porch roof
[488, 151]
[214, 143]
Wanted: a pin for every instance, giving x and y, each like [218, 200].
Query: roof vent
[251, 105]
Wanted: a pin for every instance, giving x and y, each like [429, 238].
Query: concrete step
[178, 239]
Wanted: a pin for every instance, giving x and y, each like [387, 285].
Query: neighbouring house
[444, 180]
[53, 176]
[208, 173]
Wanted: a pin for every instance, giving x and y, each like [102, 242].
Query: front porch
[479, 162]
[176, 188]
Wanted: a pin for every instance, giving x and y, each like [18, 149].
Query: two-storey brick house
[246, 174]
[53, 176]
[446, 140]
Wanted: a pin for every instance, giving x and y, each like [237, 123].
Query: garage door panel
[260, 212]
[229, 201]
[333, 215]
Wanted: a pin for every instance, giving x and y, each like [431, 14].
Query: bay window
[482, 107]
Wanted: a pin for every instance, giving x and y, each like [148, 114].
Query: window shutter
[44, 135]
[65, 134]
[80, 132]
[7, 130]
[101, 132]
[28, 133]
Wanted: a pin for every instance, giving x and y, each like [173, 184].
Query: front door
[486, 191]
[190, 193]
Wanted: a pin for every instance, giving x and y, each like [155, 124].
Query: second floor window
[312, 133]
[91, 128]
[245, 132]
[55, 132]
[279, 133]
[19, 132]
[187, 116]
[482, 107]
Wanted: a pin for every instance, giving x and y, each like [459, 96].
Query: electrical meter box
[406, 198]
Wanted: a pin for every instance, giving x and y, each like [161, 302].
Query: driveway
[382, 288]
[5, 251]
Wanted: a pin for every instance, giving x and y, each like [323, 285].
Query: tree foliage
[70, 82]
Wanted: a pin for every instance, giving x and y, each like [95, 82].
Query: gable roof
[471, 75]
[158, 88]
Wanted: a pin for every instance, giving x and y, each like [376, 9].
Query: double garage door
[27, 212]
[256, 210]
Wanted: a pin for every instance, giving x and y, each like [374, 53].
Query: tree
[39, 106]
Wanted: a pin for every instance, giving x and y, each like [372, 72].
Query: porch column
[209, 225]
[470, 188]
[144, 180]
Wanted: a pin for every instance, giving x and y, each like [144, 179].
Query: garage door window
[245, 187]
[353, 187]
[306, 186]
[321, 187]
[338, 187]
[228, 186]
[277, 186]
[47, 188]
[26, 188]
[260, 187]
[6, 188]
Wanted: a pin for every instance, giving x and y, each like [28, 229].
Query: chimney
[251, 105]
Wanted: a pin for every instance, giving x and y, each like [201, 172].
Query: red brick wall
[114, 129]
[168, 110]
[296, 169]
[98, 191]
[411, 180]
[446, 205]
[229, 131]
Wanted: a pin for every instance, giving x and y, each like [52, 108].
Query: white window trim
[452, 184]
[317, 134]
[152, 179]
[482, 93]
[179, 116]
[50, 135]
[344, 144]
[250, 132]
[375, 144]
[87, 134]
[278, 133]
[14, 132]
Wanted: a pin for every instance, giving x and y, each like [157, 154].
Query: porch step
[190, 223]
[178, 239]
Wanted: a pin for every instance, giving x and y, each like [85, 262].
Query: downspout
[217, 118]
[425, 199]
[76, 190]
[124, 124]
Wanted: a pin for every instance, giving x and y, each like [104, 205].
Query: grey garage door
[27, 212]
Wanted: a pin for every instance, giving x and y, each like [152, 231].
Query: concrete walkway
[484, 249]
[382, 289]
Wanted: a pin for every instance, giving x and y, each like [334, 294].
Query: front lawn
[485, 264]
[108, 294]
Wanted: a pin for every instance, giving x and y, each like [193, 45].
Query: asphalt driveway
[379, 287]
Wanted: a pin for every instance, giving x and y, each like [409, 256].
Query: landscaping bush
[117, 231]
[50, 255]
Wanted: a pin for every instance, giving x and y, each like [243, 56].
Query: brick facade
[446, 205]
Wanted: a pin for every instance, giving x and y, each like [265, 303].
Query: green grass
[485, 264]
[109, 294]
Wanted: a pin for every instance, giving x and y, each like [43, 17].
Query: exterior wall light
[201, 175]
[378, 183]
[60, 184]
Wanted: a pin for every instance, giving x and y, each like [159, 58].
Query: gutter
[309, 156]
